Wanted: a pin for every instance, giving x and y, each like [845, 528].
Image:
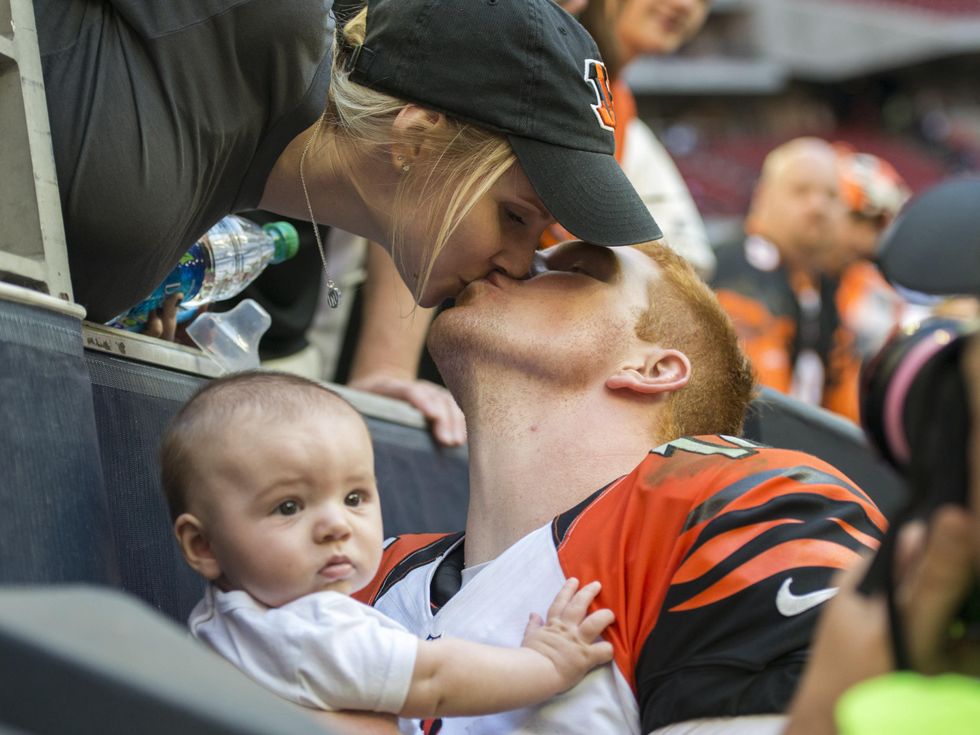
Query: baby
[270, 481]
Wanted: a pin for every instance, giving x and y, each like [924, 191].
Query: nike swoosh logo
[789, 604]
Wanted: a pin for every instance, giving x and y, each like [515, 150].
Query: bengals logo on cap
[598, 77]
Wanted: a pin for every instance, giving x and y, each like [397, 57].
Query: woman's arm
[386, 360]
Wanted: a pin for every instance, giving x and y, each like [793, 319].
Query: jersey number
[736, 449]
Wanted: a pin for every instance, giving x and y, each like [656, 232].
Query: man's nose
[814, 205]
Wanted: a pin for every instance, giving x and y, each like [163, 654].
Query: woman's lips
[496, 278]
[469, 289]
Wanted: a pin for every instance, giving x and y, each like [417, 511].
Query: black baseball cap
[525, 69]
[933, 246]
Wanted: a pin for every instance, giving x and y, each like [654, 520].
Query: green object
[286, 239]
[905, 703]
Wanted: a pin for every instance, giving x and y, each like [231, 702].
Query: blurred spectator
[808, 302]
[873, 193]
[774, 285]
[898, 649]
[653, 26]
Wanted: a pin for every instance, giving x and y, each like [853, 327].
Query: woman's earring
[406, 168]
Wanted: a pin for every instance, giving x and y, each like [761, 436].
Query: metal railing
[32, 235]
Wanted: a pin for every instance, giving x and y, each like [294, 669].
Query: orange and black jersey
[780, 314]
[715, 554]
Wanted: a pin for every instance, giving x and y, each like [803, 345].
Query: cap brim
[587, 193]
[934, 245]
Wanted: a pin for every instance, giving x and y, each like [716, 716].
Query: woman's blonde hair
[463, 161]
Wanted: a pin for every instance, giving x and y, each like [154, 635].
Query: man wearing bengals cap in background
[603, 397]
[873, 192]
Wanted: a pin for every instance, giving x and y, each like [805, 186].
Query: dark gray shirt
[166, 115]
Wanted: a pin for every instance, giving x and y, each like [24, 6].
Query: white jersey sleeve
[744, 725]
[323, 650]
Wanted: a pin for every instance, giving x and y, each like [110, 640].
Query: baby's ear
[193, 540]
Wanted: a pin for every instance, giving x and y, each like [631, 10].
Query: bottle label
[186, 278]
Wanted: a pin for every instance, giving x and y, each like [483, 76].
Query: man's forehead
[581, 249]
[810, 165]
[622, 257]
[624, 263]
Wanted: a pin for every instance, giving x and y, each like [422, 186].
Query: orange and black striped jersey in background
[805, 336]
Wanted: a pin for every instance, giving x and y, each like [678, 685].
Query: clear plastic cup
[232, 338]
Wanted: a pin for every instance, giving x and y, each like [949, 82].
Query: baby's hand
[568, 637]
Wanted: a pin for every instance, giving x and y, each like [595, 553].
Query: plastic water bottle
[220, 265]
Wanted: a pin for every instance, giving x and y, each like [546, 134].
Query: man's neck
[792, 260]
[533, 456]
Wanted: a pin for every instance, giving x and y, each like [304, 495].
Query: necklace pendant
[333, 295]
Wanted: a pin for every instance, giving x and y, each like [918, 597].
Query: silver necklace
[333, 292]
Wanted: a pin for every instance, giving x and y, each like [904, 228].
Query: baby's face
[292, 507]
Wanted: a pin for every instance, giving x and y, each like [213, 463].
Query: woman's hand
[390, 344]
[435, 403]
[162, 322]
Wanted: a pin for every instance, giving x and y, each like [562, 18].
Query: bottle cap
[286, 239]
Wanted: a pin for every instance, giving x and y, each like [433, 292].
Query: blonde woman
[452, 132]
[392, 334]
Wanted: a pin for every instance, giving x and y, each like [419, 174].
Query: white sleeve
[324, 650]
[744, 725]
[655, 177]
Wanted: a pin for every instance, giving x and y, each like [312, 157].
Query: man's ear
[193, 540]
[657, 370]
[411, 126]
